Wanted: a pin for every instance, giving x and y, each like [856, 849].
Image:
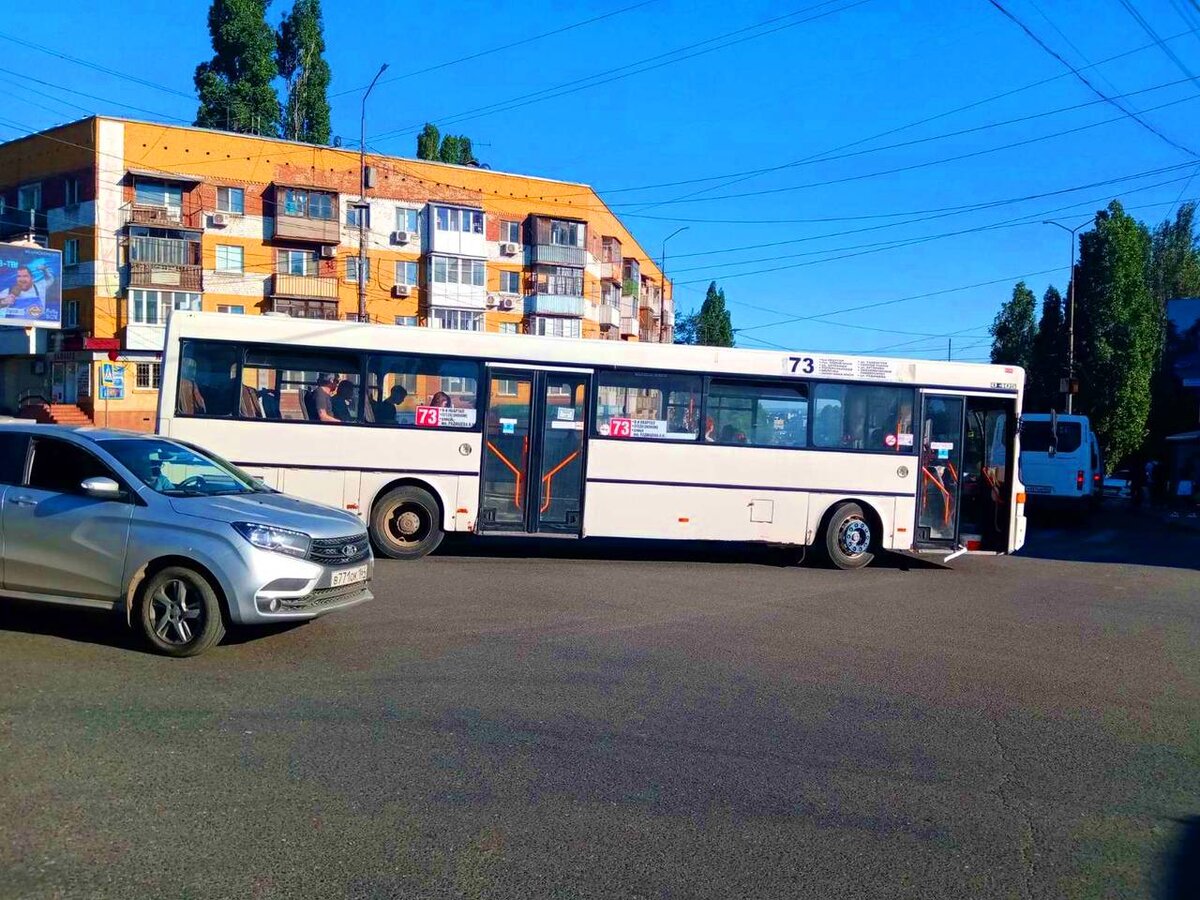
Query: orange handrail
[517, 472]
[549, 476]
[937, 482]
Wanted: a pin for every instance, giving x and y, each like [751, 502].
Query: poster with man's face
[30, 286]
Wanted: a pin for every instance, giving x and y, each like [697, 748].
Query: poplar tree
[300, 57]
[714, 327]
[235, 86]
[1013, 329]
[1048, 359]
[428, 142]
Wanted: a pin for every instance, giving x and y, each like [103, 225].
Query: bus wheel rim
[854, 537]
[408, 524]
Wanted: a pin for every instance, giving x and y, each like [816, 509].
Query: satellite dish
[337, 140]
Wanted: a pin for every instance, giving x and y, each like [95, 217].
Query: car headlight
[269, 537]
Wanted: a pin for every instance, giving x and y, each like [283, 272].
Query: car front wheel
[179, 612]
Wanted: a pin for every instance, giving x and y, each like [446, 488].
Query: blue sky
[766, 84]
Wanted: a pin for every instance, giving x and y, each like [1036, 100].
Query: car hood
[313, 519]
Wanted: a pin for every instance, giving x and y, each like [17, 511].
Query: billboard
[30, 286]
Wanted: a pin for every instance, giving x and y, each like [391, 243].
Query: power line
[527, 40]
[619, 73]
[1154, 35]
[25, 42]
[1137, 117]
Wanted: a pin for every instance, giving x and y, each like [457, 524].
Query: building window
[158, 193]
[71, 191]
[296, 262]
[148, 375]
[551, 326]
[71, 314]
[459, 270]
[352, 270]
[458, 319]
[153, 307]
[235, 310]
[509, 328]
[71, 252]
[510, 232]
[506, 387]
[567, 234]
[307, 204]
[560, 281]
[29, 196]
[356, 214]
[406, 273]
[407, 321]
[230, 258]
[408, 220]
[452, 218]
[231, 200]
[510, 282]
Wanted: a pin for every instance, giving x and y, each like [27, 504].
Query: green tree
[685, 327]
[300, 57]
[449, 151]
[1118, 331]
[1047, 359]
[235, 86]
[1013, 330]
[428, 142]
[714, 327]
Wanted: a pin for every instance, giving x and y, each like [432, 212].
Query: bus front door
[534, 436]
[939, 482]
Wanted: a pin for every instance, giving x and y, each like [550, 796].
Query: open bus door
[964, 494]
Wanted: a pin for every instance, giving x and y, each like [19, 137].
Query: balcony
[629, 326]
[557, 255]
[305, 309]
[610, 316]
[165, 262]
[302, 214]
[554, 305]
[161, 216]
[611, 261]
[145, 274]
[304, 287]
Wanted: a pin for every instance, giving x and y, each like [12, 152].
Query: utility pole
[949, 349]
[362, 202]
[662, 272]
[1070, 313]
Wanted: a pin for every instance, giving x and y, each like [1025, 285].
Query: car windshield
[179, 471]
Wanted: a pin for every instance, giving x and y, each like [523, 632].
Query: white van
[1061, 464]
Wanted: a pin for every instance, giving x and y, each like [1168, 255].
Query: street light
[662, 268]
[362, 202]
[1071, 310]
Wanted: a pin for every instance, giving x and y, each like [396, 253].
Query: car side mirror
[101, 488]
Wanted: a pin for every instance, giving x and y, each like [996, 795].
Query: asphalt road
[591, 722]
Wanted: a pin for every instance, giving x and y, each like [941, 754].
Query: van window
[1035, 436]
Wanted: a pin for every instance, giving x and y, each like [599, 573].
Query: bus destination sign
[840, 367]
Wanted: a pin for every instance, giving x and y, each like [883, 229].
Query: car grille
[339, 551]
[324, 597]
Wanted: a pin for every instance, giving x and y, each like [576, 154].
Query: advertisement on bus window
[30, 286]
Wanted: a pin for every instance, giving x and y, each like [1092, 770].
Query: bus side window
[284, 382]
[402, 389]
[659, 405]
[207, 380]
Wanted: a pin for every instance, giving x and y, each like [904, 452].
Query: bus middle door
[939, 481]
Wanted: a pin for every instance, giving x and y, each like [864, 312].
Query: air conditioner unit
[402, 237]
[220, 220]
[491, 300]
[509, 249]
[506, 302]
[328, 251]
[401, 290]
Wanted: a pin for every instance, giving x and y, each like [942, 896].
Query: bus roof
[538, 350]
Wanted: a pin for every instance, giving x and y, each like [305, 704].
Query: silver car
[177, 540]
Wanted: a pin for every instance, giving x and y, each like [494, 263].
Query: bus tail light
[1021, 498]
[1079, 480]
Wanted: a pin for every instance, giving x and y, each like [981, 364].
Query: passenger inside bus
[440, 399]
[388, 410]
[342, 402]
[318, 402]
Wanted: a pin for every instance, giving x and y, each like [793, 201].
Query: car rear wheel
[848, 538]
[406, 523]
[179, 612]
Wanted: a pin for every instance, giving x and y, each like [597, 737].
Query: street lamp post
[662, 270]
[362, 202]
[1070, 311]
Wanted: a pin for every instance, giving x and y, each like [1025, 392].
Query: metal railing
[318, 287]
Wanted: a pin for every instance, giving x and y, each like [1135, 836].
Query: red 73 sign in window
[428, 416]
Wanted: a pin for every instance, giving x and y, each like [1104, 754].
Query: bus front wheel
[848, 538]
[406, 523]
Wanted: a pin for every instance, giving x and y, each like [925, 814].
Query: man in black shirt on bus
[319, 401]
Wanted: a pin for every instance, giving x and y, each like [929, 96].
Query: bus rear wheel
[406, 523]
[848, 538]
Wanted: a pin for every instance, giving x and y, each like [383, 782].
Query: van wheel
[848, 538]
[406, 523]
[179, 612]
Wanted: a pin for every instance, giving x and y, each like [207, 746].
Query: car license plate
[1037, 488]
[348, 576]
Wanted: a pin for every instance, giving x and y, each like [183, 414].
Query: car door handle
[22, 501]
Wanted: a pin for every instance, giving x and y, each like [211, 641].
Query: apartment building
[152, 218]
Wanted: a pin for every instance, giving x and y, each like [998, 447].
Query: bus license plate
[1037, 488]
[348, 576]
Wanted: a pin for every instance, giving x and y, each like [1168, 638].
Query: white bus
[424, 431]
